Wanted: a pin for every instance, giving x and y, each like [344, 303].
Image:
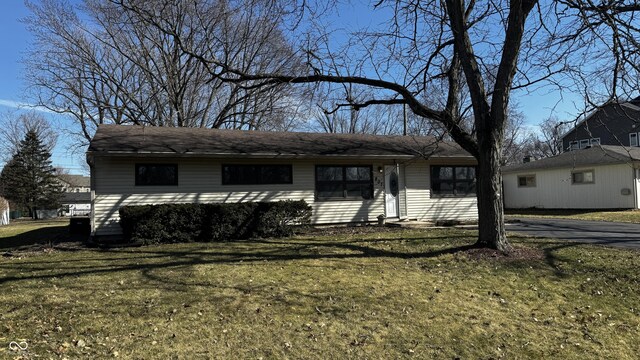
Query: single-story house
[599, 177]
[346, 178]
[4, 211]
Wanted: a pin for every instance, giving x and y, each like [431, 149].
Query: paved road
[597, 232]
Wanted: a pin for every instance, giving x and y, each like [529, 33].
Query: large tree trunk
[491, 231]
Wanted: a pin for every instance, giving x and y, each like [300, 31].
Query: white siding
[200, 182]
[422, 206]
[554, 189]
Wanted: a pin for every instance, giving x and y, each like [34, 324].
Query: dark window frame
[583, 182]
[140, 183]
[453, 181]
[527, 183]
[344, 183]
[257, 177]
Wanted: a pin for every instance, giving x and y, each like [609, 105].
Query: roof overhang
[153, 154]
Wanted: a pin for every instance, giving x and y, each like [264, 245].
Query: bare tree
[100, 64]
[517, 138]
[15, 126]
[548, 141]
[465, 57]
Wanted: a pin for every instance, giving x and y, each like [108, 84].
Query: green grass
[393, 294]
[23, 234]
[628, 216]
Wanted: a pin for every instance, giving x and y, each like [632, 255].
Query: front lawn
[628, 216]
[332, 294]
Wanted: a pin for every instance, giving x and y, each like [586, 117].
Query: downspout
[635, 187]
[92, 187]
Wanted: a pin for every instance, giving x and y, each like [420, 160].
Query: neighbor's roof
[596, 155]
[75, 180]
[76, 197]
[121, 139]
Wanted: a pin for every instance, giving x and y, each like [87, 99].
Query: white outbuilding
[4, 211]
[599, 177]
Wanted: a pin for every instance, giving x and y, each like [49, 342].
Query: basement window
[582, 177]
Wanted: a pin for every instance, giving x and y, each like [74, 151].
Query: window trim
[595, 141]
[469, 194]
[572, 147]
[584, 143]
[593, 177]
[138, 165]
[635, 135]
[258, 181]
[344, 183]
[525, 176]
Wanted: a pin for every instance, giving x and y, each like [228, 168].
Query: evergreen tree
[28, 179]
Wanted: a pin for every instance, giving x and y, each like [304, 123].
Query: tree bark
[491, 230]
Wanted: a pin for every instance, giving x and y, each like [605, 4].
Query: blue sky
[15, 40]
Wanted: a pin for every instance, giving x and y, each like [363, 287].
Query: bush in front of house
[173, 223]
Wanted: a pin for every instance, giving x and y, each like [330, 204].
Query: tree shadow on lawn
[40, 238]
[247, 251]
[558, 263]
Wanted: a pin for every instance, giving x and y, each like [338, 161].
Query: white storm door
[391, 191]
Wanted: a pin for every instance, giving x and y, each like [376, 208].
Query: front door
[391, 191]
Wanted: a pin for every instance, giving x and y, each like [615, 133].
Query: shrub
[171, 223]
[278, 218]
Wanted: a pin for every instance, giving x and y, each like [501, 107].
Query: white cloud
[24, 106]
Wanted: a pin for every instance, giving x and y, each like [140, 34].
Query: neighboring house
[75, 183]
[615, 124]
[76, 197]
[345, 178]
[600, 177]
[4, 211]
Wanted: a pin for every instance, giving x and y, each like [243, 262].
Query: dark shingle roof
[596, 155]
[75, 180]
[120, 139]
[76, 197]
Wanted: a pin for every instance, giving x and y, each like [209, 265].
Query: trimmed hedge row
[175, 223]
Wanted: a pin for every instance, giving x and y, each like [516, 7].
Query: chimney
[526, 159]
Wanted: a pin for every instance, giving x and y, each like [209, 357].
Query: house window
[453, 180]
[574, 145]
[595, 141]
[156, 174]
[344, 182]
[633, 139]
[527, 181]
[584, 143]
[233, 174]
[582, 177]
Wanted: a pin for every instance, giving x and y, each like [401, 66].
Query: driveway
[622, 235]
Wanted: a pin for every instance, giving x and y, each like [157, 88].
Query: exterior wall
[199, 180]
[612, 124]
[421, 205]
[554, 189]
